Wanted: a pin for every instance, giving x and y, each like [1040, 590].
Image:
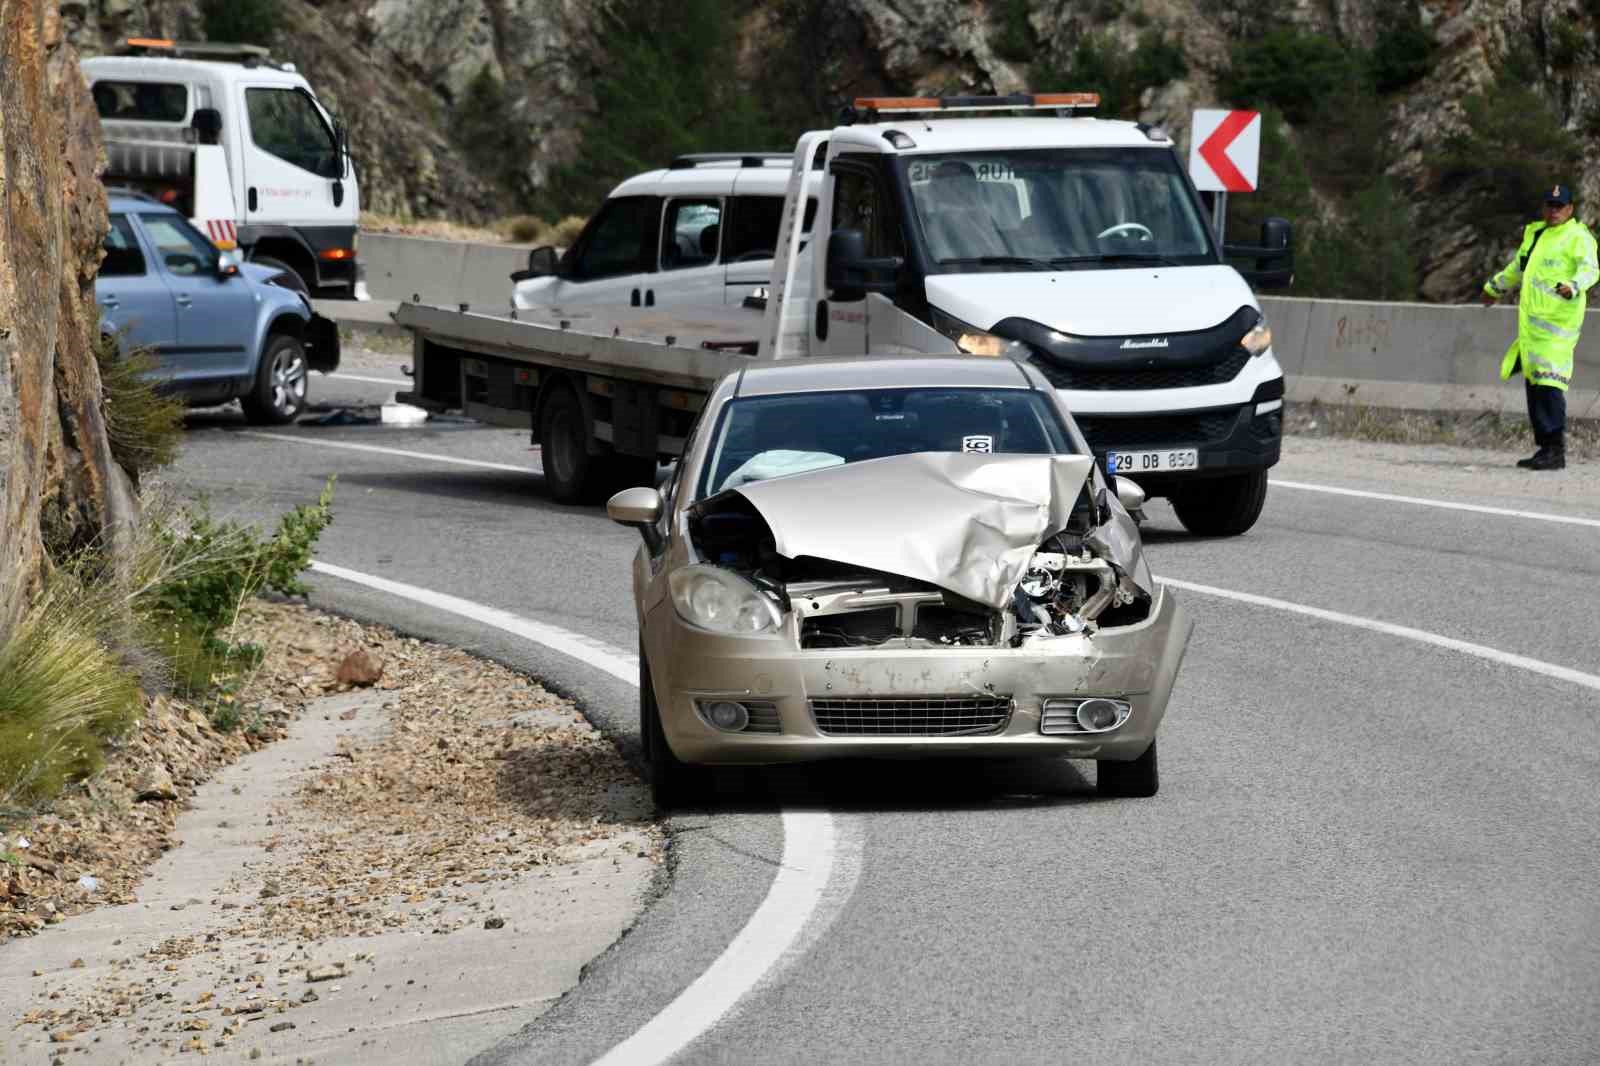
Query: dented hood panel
[966, 523]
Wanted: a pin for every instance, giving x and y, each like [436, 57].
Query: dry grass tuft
[143, 424]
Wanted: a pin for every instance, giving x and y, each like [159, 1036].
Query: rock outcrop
[56, 470]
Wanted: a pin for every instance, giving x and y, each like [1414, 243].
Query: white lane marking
[1421, 501]
[1495, 655]
[322, 442]
[798, 902]
[372, 381]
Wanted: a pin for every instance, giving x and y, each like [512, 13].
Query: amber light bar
[150, 42]
[1012, 102]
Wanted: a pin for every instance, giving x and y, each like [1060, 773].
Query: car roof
[978, 134]
[881, 372]
[713, 179]
[118, 201]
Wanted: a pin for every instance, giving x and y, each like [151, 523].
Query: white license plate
[1152, 462]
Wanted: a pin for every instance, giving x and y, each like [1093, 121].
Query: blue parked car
[220, 329]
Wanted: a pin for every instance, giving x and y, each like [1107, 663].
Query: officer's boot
[1532, 462]
[1552, 457]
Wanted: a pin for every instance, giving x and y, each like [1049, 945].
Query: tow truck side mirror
[1274, 256]
[851, 275]
[542, 263]
[207, 124]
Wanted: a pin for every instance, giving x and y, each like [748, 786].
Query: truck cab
[701, 232]
[1077, 244]
[241, 146]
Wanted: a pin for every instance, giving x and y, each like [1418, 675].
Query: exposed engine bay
[1070, 584]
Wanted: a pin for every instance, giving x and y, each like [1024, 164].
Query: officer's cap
[1560, 195]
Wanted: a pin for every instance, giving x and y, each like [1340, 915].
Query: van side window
[123, 257]
[620, 240]
[285, 123]
[858, 204]
[692, 234]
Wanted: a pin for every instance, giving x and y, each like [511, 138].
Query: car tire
[1222, 507]
[292, 278]
[279, 393]
[570, 472]
[673, 782]
[1141, 777]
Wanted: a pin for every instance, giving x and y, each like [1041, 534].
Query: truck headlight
[974, 341]
[1259, 339]
[723, 602]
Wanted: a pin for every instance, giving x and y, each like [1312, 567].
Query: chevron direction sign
[1225, 150]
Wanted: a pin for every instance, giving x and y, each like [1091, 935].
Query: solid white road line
[1421, 501]
[323, 442]
[799, 899]
[1494, 655]
[396, 382]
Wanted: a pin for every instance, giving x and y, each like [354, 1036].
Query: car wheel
[281, 378]
[1222, 507]
[673, 782]
[291, 276]
[1141, 777]
[564, 448]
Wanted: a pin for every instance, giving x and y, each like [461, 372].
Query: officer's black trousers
[1547, 410]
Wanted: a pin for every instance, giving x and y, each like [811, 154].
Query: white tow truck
[1023, 230]
[241, 146]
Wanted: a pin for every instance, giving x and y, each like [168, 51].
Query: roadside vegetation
[1465, 429]
[108, 630]
[517, 229]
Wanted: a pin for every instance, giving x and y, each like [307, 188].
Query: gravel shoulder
[412, 853]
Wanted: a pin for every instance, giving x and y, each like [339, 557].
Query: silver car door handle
[184, 301]
[111, 305]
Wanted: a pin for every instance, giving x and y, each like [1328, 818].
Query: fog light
[725, 714]
[1098, 715]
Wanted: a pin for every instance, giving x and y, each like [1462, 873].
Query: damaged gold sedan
[844, 565]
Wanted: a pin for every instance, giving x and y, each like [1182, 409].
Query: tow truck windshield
[1056, 209]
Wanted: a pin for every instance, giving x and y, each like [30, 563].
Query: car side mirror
[227, 267]
[851, 274]
[640, 507]
[543, 262]
[1274, 256]
[1130, 495]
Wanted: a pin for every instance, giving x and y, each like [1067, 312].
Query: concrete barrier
[440, 272]
[1423, 356]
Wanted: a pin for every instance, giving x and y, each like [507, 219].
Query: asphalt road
[1365, 849]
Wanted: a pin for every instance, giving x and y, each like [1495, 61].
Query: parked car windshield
[762, 437]
[1056, 209]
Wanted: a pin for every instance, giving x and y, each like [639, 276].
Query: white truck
[241, 146]
[1074, 243]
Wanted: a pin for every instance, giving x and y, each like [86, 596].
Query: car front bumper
[1135, 663]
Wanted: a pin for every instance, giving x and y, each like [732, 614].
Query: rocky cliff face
[56, 468]
[412, 77]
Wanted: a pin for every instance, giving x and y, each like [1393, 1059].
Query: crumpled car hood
[963, 522]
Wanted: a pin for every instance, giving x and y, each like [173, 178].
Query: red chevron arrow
[1214, 150]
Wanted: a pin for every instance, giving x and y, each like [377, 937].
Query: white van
[700, 233]
[238, 144]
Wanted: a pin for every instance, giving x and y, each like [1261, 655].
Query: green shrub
[143, 425]
[565, 232]
[1294, 71]
[1404, 50]
[240, 21]
[63, 692]
[524, 229]
[1097, 64]
[1014, 38]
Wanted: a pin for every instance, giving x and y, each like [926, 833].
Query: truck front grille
[1091, 379]
[1105, 432]
[900, 716]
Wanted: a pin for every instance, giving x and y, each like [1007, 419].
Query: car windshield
[763, 437]
[1056, 209]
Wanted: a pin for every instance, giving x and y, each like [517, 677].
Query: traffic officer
[1554, 268]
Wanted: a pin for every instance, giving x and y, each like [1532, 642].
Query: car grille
[1063, 377]
[763, 716]
[932, 716]
[1104, 433]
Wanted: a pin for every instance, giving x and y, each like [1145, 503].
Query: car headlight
[1259, 339]
[723, 602]
[974, 341]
